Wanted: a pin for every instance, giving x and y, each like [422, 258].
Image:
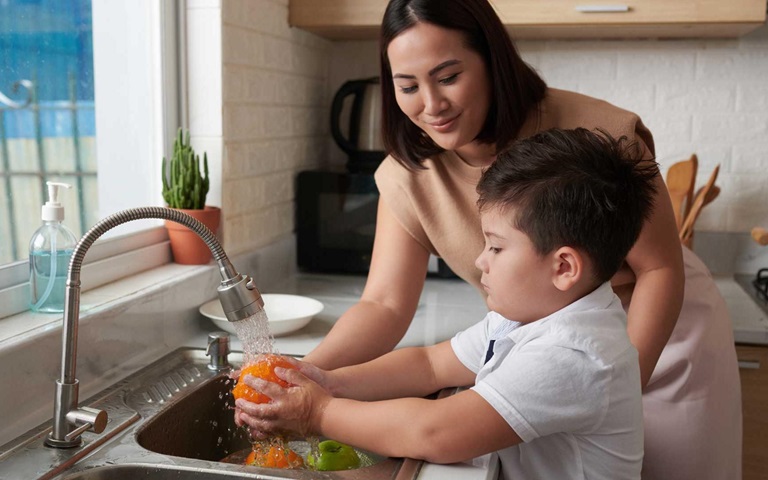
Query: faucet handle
[86, 418]
[218, 350]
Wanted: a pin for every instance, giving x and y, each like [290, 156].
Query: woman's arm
[657, 263]
[374, 325]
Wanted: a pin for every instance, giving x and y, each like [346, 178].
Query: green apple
[334, 456]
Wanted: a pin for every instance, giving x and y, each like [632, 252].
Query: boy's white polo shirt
[568, 384]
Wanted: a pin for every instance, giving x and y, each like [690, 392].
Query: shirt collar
[599, 299]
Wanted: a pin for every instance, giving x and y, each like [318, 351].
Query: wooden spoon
[681, 178]
[710, 196]
[686, 232]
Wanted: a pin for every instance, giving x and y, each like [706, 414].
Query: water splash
[314, 447]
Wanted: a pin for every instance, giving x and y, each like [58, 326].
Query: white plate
[286, 313]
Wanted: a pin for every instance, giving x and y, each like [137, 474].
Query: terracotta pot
[187, 247]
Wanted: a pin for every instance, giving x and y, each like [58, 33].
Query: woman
[455, 92]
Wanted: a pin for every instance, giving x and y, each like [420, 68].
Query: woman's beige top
[437, 206]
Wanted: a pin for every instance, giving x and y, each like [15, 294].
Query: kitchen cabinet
[753, 369]
[360, 19]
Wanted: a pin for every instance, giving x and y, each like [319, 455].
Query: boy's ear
[568, 268]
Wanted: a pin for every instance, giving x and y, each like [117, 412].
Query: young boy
[555, 380]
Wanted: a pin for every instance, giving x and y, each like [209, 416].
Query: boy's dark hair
[515, 86]
[576, 188]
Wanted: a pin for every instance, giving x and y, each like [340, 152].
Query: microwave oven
[336, 223]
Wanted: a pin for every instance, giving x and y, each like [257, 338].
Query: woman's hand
[324, 378]
[297, 409]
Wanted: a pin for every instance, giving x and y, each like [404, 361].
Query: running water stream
[255, 336]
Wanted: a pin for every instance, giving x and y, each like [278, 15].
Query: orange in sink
[276, 456]
[264, 368]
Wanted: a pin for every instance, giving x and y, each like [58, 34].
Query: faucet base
[54, 443]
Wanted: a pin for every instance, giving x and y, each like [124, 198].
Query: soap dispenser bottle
[50, 250]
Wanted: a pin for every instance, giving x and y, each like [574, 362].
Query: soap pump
[50, 251]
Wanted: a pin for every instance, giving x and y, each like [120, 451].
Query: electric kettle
[362, 144]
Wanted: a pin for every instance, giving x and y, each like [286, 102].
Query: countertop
[750, 320]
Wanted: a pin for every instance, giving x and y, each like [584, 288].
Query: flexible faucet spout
[238, 295]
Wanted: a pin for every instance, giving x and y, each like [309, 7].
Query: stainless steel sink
[171, 420]
[132, 472]
[201, 426]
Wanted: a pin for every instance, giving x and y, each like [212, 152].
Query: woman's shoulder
[390, 167]
[392, 176]
[566, 109]
[563, 101]
[392, 173]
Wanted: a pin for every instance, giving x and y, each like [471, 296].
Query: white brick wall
[274, 107]
[704, 96]
[271, 106]
[259, 102]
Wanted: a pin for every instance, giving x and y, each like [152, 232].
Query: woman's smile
[444, 125]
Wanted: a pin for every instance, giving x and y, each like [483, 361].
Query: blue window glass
[47, 125]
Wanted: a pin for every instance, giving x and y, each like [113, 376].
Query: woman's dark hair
[516, 87]
[576, 188]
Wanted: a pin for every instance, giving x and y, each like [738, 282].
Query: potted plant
[185, 188]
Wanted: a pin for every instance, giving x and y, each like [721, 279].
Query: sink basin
[132, 472]
[201, 426]
[171, 420]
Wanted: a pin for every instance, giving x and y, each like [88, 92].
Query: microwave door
[351, 223]
[335, 220]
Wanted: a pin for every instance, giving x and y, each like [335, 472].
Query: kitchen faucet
[238, 295]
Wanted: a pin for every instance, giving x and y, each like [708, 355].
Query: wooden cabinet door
[338, 19]
[630, 18]
[355, 19]
[753, 369]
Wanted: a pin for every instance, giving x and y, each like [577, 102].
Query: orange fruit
[277, 456]
[264, 368]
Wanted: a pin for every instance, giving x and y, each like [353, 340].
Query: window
[47, 127]
[124, 111]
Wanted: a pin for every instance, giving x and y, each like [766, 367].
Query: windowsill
[115, 295]
[274, 262]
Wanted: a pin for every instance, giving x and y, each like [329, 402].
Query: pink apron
[692, 404]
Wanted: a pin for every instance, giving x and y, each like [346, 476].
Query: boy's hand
[297, 409]
[322, 377]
